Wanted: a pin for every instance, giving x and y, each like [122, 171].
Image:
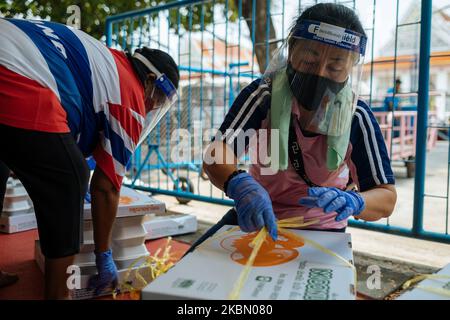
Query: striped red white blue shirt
[57, 79]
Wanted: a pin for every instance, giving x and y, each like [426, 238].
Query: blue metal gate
[220, 46]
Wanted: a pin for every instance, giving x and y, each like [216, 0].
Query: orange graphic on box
[272, 253]
[126, 200]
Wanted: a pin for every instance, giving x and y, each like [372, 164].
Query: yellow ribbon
[420, 277]
[155, 264]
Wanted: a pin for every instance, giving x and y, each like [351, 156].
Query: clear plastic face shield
[323, 65]
[159, 98]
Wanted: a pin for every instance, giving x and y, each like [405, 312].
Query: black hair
[331, 13]
[160, 59]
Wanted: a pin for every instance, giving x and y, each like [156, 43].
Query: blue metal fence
[220, 46]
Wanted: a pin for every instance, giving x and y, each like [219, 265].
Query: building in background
[403, 63]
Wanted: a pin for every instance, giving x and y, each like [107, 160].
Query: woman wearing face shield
[64, 97]
[325, 138]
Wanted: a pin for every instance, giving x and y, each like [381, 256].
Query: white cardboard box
[211, 272]
[417, 293]
[84, 292]
[138, 204]
[132, 203]
[159, 227]
[17, 223]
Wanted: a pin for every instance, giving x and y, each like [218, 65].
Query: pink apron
[286, 187]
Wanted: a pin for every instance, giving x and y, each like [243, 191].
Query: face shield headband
[161, 82]
[162, 98]
[327, 98]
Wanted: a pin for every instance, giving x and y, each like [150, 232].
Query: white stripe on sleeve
[246, 104]
[375, 144]
[368, 150]
[19, 54]
[249, 114]
[233, 127]
[117, 128]
[105, 77]
[118, 167]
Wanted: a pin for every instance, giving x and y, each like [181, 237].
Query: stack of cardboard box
[170, 225]
[18, 214]
[128, 238]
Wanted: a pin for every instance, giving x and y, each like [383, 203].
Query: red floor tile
[17, 256]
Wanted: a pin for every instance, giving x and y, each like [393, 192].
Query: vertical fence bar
[231, 92]
[179, 101]
[253, 34]
[448, 182]
[109, 31]
[393, 81]
[158, 127]
[168, 116]
[372, 53]
[202, 48]
[189, 108]
[267, 42]
[213, 96]
[422, 115]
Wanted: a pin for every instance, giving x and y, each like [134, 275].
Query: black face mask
[309, 89]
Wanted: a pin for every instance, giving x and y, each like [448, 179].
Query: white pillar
[442, 86]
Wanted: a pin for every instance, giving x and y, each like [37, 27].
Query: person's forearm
[219, 164]
[105, 200]
[380, 203]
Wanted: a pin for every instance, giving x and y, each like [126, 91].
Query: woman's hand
[345, 203]
[371, 205]
[253, 204]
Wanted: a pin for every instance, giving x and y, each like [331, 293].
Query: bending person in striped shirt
[328, 159]
[65, 96]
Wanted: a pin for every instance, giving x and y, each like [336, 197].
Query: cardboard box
[18, 223]
[85, 293]
[126, 232]
[132, 203]
[417, 293]
[159, 227]
[288, 271]
[128, 238]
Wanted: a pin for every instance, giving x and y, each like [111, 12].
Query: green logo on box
[185, 283]
[263, 278]
[318, 284]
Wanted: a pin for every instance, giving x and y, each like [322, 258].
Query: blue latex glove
[253, 204]
[345, 203]
[107, 272]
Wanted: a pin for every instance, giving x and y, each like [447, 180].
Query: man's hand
[345, 203]
[253, 204]
[107, 273]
